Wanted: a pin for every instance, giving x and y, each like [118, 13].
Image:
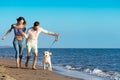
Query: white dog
[47, 60]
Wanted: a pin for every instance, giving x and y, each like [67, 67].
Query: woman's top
[18, 31]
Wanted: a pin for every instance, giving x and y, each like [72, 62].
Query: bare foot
[34, 68]
[26, 64]
[17, 66]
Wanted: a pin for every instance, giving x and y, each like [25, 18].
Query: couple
[31, 40]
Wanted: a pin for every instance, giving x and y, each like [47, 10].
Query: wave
[86, 73]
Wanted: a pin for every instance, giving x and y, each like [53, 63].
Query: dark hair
[36, 23]
[21, 18]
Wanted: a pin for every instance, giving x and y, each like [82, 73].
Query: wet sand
[8, 71]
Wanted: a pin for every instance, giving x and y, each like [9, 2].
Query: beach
[86, 64]
[8, 71]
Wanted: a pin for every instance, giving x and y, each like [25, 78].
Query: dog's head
[47, 53]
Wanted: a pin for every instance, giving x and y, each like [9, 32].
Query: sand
[8, 71]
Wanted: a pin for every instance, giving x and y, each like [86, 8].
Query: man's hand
[56, 36]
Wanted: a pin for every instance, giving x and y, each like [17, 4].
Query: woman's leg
[15, 44]
[20, 51]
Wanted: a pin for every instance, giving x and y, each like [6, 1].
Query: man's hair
[36, 23]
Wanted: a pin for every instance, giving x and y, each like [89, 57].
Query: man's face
[35, 28]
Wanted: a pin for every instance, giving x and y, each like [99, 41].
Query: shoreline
[8, 71]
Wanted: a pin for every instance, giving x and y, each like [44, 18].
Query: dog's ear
[44, 53]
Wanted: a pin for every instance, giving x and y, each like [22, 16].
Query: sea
[82, 63]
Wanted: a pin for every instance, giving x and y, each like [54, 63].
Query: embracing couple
[31, 40]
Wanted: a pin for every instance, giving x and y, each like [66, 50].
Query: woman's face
[21, 22]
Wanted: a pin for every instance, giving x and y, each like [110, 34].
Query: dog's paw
[50, 69]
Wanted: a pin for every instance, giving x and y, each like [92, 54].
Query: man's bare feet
[26, 64]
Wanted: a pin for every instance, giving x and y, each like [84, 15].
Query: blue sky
[80, 23]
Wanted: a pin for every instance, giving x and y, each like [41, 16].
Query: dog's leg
[44, 68]
[49, 67]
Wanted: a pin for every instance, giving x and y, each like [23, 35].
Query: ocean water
[85, 63]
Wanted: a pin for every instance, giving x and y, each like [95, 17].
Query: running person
[32, 39]
[18, 28]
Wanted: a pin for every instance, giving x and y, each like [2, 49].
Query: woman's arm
[25, 34]
[7, 33]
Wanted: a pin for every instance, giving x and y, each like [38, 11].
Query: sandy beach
[8, 71]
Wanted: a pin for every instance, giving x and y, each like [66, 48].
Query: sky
[80, 23]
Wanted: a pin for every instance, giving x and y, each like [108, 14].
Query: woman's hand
[3, 37]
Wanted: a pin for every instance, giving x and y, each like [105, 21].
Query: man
[31, 42]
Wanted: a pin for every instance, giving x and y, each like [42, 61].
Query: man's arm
[49, 33]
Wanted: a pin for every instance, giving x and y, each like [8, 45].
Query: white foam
[88, 70]
[85, 73]
[97, 71]
[111, 75]
[68, 67]
[77, 74]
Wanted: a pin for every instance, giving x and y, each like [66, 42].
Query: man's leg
[27, 61]
[35, 60]
[28, 55]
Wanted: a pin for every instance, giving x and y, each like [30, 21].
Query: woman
[19, 29]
